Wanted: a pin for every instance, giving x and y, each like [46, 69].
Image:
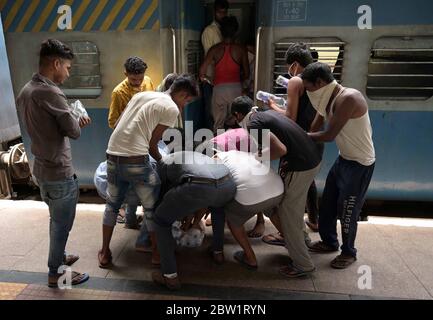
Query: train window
[326, 50]
[85, 78]
[401, 68]
[195, 56]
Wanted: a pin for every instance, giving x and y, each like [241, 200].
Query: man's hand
[84, 121]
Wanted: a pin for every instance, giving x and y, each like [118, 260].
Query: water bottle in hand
[265, 96]
[282, 81]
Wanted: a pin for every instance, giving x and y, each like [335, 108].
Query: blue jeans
[61, 198]
[143, 179]
[343, 197]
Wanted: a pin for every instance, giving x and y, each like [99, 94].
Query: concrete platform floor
[396, 250]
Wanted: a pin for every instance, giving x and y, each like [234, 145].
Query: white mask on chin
[246, 120]
[320, 98]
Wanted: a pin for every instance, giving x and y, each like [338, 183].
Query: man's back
[144, 112]
[43, 109]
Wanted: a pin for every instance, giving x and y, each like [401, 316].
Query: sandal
[217, 256]
[239, 256]
[313, 226]
[76, 279]
[171, 284]
[107, 264]
[342, 261]
[276, 239]
[321, 247]
[291, 271]
[70, 259]
[257, 234]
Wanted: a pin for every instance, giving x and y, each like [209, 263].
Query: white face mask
[320, 98]
[246, 120]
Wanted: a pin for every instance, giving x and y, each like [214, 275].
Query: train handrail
[173, 32]
[256, 67]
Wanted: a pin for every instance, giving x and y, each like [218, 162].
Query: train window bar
[329, 52]
[401, 68]
[85, 77]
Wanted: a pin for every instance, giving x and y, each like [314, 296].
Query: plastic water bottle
[264, 96]
[282, 81]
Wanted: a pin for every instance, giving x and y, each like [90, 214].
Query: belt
[200, 180]
[133, 159]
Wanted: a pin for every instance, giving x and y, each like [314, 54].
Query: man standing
[43, 110]
[136, 137]
[135, 82]
[346, 113]
[210, 37]
[300, 159]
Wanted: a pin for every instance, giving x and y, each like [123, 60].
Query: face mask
[291, 75]
[320, 98]
[246, 120]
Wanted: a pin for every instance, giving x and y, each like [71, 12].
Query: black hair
[135, 65]
[53, 48]
[229, 26]
[317, 70]
[168, 80]
[221, 4]
[242, 104]
[299, 52]
[185, 82]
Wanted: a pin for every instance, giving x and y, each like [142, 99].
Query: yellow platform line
[77, 15]
[12, 14]
[27, 16]
[53, 27]
[147, 15]
[112, 15]
[44, 16]
[131, 12]
[89, 24]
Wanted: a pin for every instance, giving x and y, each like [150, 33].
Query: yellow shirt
[121, 96]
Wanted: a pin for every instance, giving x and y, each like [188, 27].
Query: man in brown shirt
[44, 112]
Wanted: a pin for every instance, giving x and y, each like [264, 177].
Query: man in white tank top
[345, 111]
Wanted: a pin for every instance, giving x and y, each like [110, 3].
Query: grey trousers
[180, 202]
[222, 98]
[291, 212]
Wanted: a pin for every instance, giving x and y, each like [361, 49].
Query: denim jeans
[180, 202]
[143, 179]
[343, 197]
[61, 198]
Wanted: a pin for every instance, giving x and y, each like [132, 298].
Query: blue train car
[383, 49]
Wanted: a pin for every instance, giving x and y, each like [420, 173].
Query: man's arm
[276, 148]
[114, 111]
[342, 113]
[245, 65]
[153, 144]
[317, 123]
[295, 88]
[207, 61]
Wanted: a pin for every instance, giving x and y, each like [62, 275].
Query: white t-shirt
[144, 113]
[255, 183]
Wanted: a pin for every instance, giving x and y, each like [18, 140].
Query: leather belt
[200, 180]
[131, 160]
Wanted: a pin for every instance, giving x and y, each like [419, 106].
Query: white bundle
[192, 238]
[78, 110]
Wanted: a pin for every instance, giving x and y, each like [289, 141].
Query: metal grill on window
[401, 68]
[194, 57]
[330, 52]
[85, 77]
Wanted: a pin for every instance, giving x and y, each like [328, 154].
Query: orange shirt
[121, 96]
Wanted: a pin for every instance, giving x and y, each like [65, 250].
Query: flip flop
[274, 239]
[76, 279]
[291, 271]
[342, 261]
[107, 264]
[253, 234]
[70, 259]
[239, 256]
